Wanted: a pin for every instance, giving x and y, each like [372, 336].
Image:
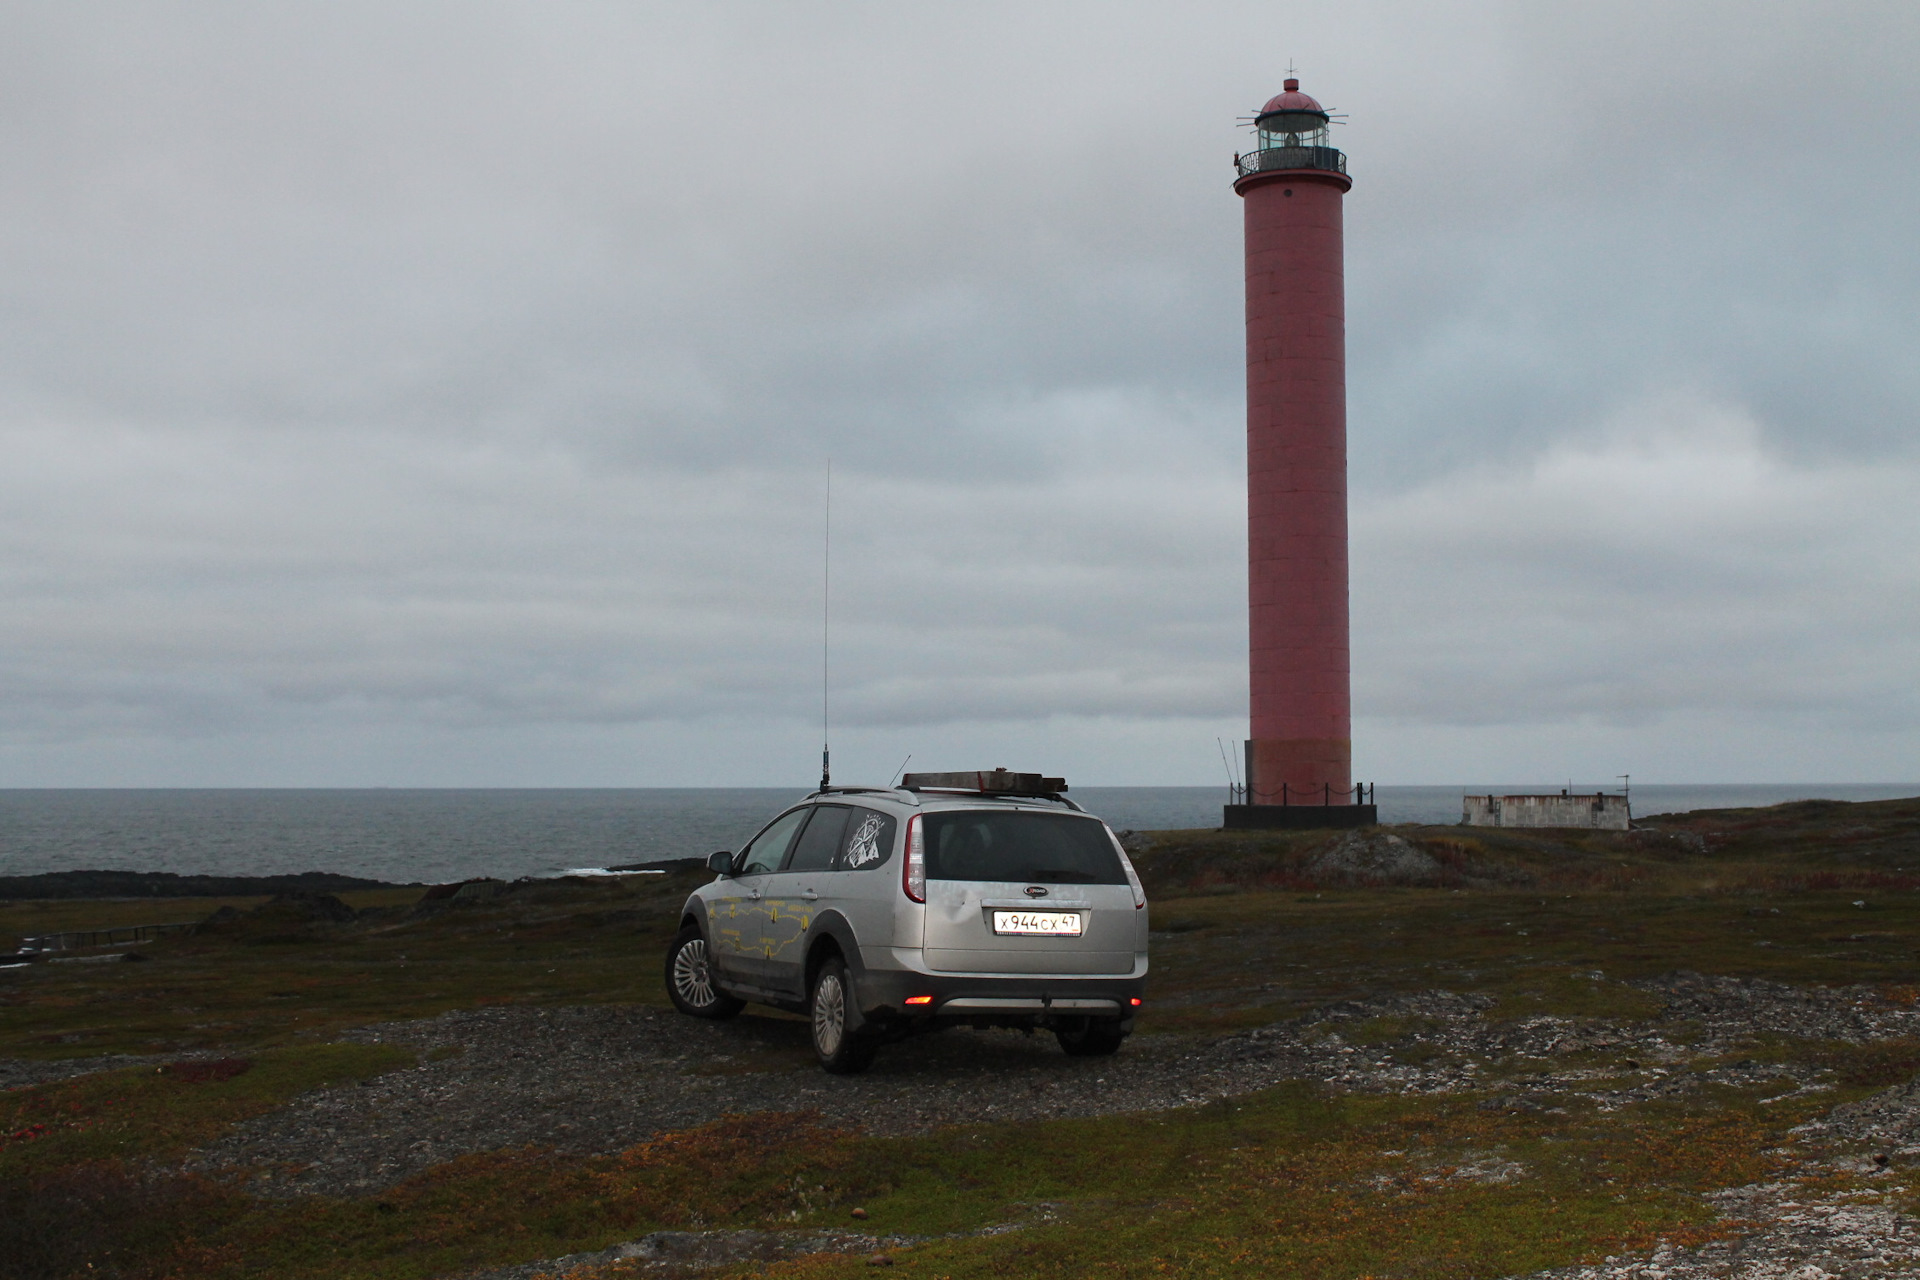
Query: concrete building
[1599, 811]
[1299, 769]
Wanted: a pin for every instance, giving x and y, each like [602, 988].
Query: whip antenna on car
[826, 616]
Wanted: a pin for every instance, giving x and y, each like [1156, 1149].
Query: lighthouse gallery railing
[1329, 158]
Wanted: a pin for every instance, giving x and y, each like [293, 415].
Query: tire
[842, 1039]
[690, 981]
[1091, 1037]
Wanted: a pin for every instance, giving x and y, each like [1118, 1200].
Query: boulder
[306, 906]
[1373, 857]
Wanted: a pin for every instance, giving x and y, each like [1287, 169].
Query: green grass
[249, 987]
[160, 1112]
[85, 1187]
[1259, 956]
[1294, 1181]
[1297, 1181]
[19, 919]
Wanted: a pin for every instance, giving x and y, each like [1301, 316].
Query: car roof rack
[988, 782]
[992, 783]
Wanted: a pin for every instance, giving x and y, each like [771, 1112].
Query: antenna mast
[826, 616]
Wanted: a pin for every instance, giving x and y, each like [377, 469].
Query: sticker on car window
[866, 841]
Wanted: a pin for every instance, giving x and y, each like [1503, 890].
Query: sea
[433, 836]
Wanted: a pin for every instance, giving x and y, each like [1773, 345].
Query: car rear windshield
[1034, 848]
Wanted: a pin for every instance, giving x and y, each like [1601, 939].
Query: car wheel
[690, 981]
[841, 1036]
[1091, 1037]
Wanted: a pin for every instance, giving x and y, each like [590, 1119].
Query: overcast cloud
[441, 394]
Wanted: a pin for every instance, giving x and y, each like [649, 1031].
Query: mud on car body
[986, 899]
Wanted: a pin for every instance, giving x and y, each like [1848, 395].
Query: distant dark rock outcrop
[285, 917]
[669, 865]
[165, 884]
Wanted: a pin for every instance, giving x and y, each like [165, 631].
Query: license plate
[1055, 924]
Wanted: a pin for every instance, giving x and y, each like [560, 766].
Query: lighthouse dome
[1291, 118]
[1291, 99]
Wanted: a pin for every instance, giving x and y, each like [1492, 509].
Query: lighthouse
[1299, 758]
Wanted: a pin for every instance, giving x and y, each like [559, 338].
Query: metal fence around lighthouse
[1330, 159]
[1237, 793]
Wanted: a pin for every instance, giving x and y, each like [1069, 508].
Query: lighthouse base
[1298, 817]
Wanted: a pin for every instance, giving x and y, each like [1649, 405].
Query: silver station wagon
[986, 899]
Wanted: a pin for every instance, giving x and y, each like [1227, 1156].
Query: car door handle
[809, 895]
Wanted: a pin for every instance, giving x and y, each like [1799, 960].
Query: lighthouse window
[1289, 191]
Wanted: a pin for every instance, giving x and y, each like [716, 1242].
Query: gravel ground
[602, 1078]
[1728, 1008]
[1789, 1232]
[1795, 1234]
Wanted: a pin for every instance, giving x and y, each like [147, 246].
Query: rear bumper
[883, 995]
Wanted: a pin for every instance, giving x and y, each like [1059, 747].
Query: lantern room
[1291, 132]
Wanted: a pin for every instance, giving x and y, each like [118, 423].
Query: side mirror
[720, 863]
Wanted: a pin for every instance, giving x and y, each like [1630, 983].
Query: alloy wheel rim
[690, 976]
[829, 1014]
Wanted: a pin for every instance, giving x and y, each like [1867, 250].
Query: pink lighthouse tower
[1299, 761]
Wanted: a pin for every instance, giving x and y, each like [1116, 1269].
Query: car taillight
[1134, 1001]
[1133, 877]
[929, 1000]
[913, 868]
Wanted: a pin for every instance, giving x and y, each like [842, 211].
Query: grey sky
[440, 394]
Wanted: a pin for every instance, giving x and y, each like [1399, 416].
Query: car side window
[769, 848]
[819, 844]
[868, 841]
